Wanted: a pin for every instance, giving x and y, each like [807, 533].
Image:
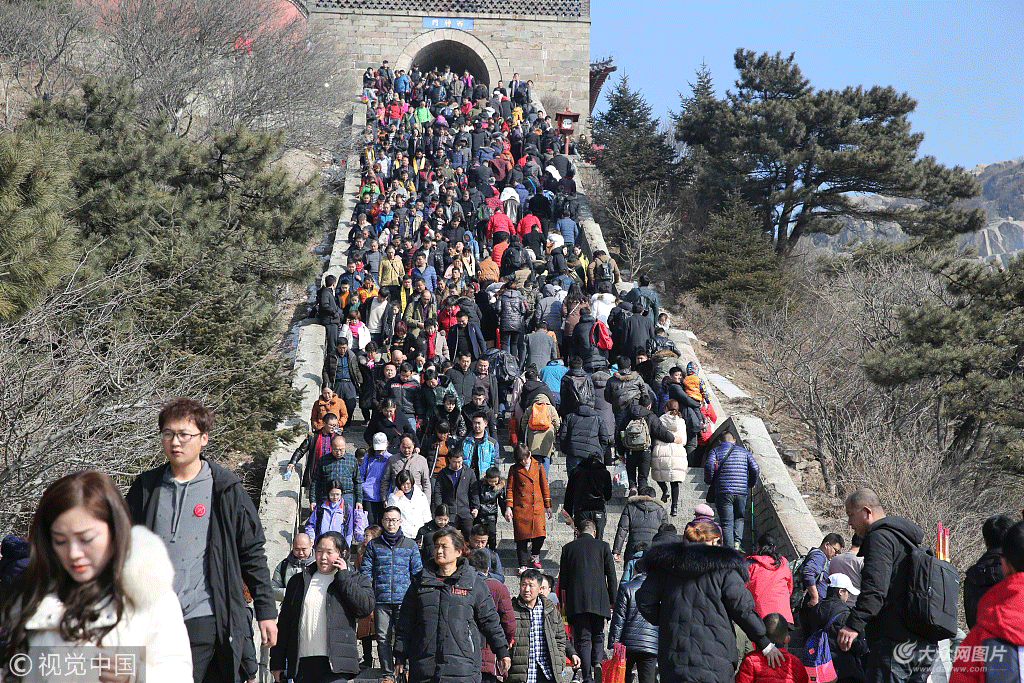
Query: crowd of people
[468, 301]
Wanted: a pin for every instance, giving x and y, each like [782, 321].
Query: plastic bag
[619, 475]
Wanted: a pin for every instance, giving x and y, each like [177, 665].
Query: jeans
[546, 461]
[638, 467]
[730, 511]
[511, 342]
[892, 662]
[528, 547]
[384, 617]
[588, 638]
[597, 516]
[571, 463]
[646, 666]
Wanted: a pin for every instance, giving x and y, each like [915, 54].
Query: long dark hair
[95, 492]
[766, 547]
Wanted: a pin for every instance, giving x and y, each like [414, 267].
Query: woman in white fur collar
[94, 580]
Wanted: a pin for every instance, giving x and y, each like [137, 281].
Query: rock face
[1002, 199]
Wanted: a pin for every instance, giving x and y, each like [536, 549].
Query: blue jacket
[568, 228]
[629, 626]
[459, 160]
[402, 83]
[552, 375]
[489, 453]
[391, 568]
[429, 276]
[370, 472]
[739, 473]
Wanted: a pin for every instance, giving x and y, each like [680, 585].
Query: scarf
[392, 538]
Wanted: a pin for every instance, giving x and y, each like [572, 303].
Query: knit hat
[703, 510]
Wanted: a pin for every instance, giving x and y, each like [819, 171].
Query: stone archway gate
[547, 41]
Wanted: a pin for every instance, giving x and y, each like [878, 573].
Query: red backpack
[600, 336]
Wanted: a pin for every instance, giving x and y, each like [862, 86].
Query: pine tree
[732, 264]
[218, 223]
[37, 243]
[799, 155]
[968, 346]
[635, 152]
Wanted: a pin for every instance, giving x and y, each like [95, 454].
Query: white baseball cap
[380, 443]
[842, 581]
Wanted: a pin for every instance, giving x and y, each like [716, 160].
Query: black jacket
[569, 394]
[884, 580]
[589, 487]
[531, 388]
[639, 522]
[637, 329]
[624, 388]
[581, 563]
[463, 382]
[593, 357]
[234, 553]
[629, 626]
[460, 498]
[583, 433]
[330, 311]
[491, 501]
[442, 624]
[349, 597]
[693, 593]
[982, 575]
[848, 664]
[393, 429]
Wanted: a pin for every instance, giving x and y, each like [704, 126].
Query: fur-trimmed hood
[640, 500]
[146, 577]
[686, 559]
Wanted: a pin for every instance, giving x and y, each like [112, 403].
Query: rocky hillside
[1002, 199]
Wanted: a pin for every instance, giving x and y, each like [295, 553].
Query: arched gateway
[547, 41]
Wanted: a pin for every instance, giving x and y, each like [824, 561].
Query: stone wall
[552, 51]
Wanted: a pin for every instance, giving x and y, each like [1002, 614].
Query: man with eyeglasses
[214, 538]
[390, 560]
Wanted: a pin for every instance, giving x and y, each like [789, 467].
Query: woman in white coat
[94, 580]
[668, 460]
[413, 503]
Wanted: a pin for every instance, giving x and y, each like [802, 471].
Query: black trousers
[588, 638]
[208, 655]
[598, 516]
[638, 467]
[646, 665]
[317, 670]
[528, 547]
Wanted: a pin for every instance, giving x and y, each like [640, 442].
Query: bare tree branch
[644, 226]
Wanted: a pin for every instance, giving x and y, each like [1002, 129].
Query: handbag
[710, 497]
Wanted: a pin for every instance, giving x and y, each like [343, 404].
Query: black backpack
[517, 257]
[932, 589]
[582, 390]
[603, 271]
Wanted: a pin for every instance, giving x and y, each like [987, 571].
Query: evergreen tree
[967, 348]
[635, 152]
[732, 264]
[800, 154]
[216, 220]
[37, 243]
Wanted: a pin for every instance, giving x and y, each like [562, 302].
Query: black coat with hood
[884, 579]
[442, 624]
[982, 575]
[639, 522]
[349, 597]
[583, 433]
[658, 431]
[234, 554]
[593, 357]
[693, 593]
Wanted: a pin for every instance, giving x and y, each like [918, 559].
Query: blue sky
[962, 61]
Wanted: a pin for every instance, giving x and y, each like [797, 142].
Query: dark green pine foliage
[800, 155]
[37, 243]
[636, 152]
[218, 221]
[731, 263]
[968, 346]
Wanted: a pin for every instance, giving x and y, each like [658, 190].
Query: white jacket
[153, 619]
[668, 460]
[415, 511]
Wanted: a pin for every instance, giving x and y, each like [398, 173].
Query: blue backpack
[817, 657]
